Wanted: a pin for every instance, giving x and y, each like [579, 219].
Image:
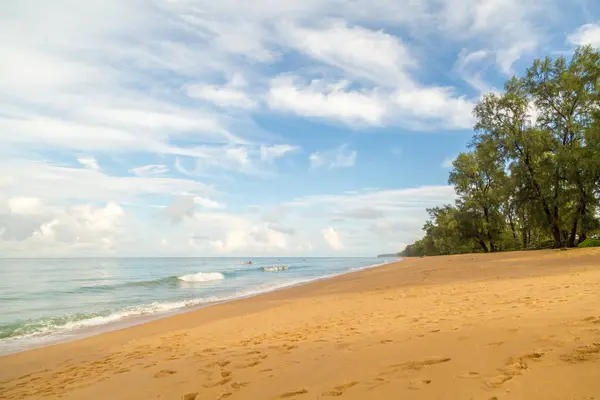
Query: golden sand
[523, 325]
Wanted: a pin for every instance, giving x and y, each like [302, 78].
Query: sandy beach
[522, 325]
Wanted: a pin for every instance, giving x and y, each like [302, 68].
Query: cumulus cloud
[49, 230]
[25, 205]
[332, 238]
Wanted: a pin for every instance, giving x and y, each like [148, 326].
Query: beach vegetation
[530, 178]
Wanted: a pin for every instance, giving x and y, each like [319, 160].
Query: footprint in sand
[250, 365]
[239, 385]
[189, 396]
[512, 368]
[419, 365]
[164, 372]
[293, 394]
[418, 384]
[582, 354]
[340, 389]
[222, 382]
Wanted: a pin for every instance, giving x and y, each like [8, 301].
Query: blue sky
[218, 128]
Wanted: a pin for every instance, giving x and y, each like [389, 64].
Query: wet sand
[522, 325]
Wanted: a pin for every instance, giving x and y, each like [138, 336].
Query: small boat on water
[246, 262]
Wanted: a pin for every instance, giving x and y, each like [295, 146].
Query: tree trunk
[483, 245]
[581, 209]
[489, 231]
[556, 235]
[573, 233]
[512, 226]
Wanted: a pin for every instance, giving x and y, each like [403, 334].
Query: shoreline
[469, 326]
[13, 346]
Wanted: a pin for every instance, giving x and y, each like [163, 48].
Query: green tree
[478, 178]
[532, 176]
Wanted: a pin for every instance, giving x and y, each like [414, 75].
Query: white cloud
[239, 234]
[62, 184]
[243, 159]
[332, 238]
[25, 205]
[321, 99]
[506, 57]
[507, 28]
[362, 53]
[435, 106]
[588, 34]
[270, 153]
[152, 89]
[180, 208]
[150, 170]
[30, 225]
[371, 222]
[89, 162]
[386, 93]
[340, 157]
[471, 66]
[208, 203]
[85, 225]
[221, 96]
[229, 95]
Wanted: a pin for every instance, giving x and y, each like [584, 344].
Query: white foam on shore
[202, 277]
[275, 268]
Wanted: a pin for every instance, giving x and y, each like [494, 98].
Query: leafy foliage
[531, 177]
[590, 243]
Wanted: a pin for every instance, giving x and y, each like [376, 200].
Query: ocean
[44, 301]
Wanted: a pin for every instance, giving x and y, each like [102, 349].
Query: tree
[566, 94]
[478, 178]
[532, 175]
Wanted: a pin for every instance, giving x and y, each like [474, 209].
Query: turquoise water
[50, 300]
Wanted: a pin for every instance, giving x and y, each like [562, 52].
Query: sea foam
[202, 277]
[275, 268]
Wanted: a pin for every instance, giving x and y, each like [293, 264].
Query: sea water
[45, 301]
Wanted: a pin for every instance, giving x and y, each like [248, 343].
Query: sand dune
[522, 325]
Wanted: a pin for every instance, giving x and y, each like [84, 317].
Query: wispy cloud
[340, 157]
[149, 170]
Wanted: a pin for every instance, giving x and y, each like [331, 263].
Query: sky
[248, 128]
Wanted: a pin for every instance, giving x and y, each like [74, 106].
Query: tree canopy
[531, 175]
